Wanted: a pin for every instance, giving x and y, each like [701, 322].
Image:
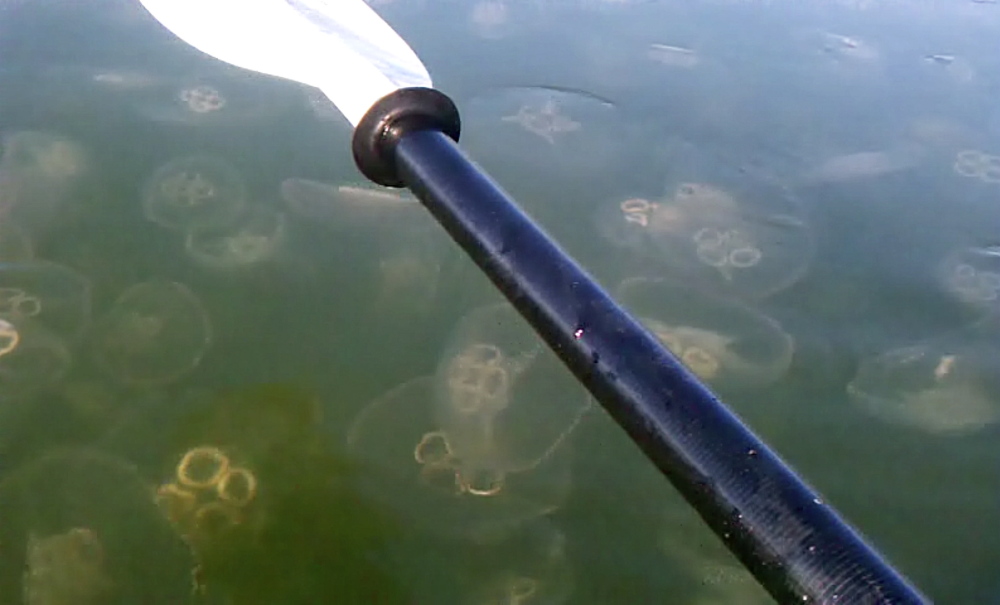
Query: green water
[248, 400]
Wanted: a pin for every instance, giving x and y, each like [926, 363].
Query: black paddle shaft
[796, 545]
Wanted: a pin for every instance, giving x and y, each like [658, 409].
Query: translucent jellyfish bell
[406, 462]
[201, 101]
[111, 81]
[502, 398]
[94, 401]
[977, 165]
[725, 343]
[248, 473]
[253, 239]
[194, 192]
[572, 132]
[954, 70]
[729, 233]
[409, 270]
[528, 567]
[155, 333]
[196, 101]
[121, 80]
[404, 277]
[947, 386]
[48, 293]
[81, 527]
[32, 359]
[209, 493]
[845, 50]
[348, 206]
[673, 56]
[410, 249]
[39, 171]
[45, 154]
[972, 275]
[863, 165]
[543, 112]
[490, 19]
[939, 132]
[710, 574]
[10, 337]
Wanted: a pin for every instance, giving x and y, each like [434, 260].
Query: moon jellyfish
[711, 575]
[32, 359]
[863, 165]
[409, 270]
[519, 127]
[503, 399]
[250, 473]
[956, 69]
[80, 527]
[411, 249]
[203, 101]
[848, 48]
[742, 238]
[938, 132]
[947, 386]
[10, 337]
[44, 154]
[93, 401]
[975, 164]
[48, 293]
[407, 463]
[195, 192]
[39, 172]
[404, 277]
[255, 238]
[209, 494]
[528, 567]
[123, 80]
[74, 559]
[724, 343]
[490, 19]
[155, 333]
[972, 275]
[72, 80]
[347, 206]
[673, 56]
[545, 121]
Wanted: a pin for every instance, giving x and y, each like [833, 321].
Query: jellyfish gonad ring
[214, 518]
[245, 489]
[9, 337]
[210, 460]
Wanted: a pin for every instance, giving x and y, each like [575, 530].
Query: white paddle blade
[345, 49]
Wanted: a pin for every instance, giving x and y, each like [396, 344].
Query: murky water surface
[232, 371]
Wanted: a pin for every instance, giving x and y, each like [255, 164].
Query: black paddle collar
[392, 117]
